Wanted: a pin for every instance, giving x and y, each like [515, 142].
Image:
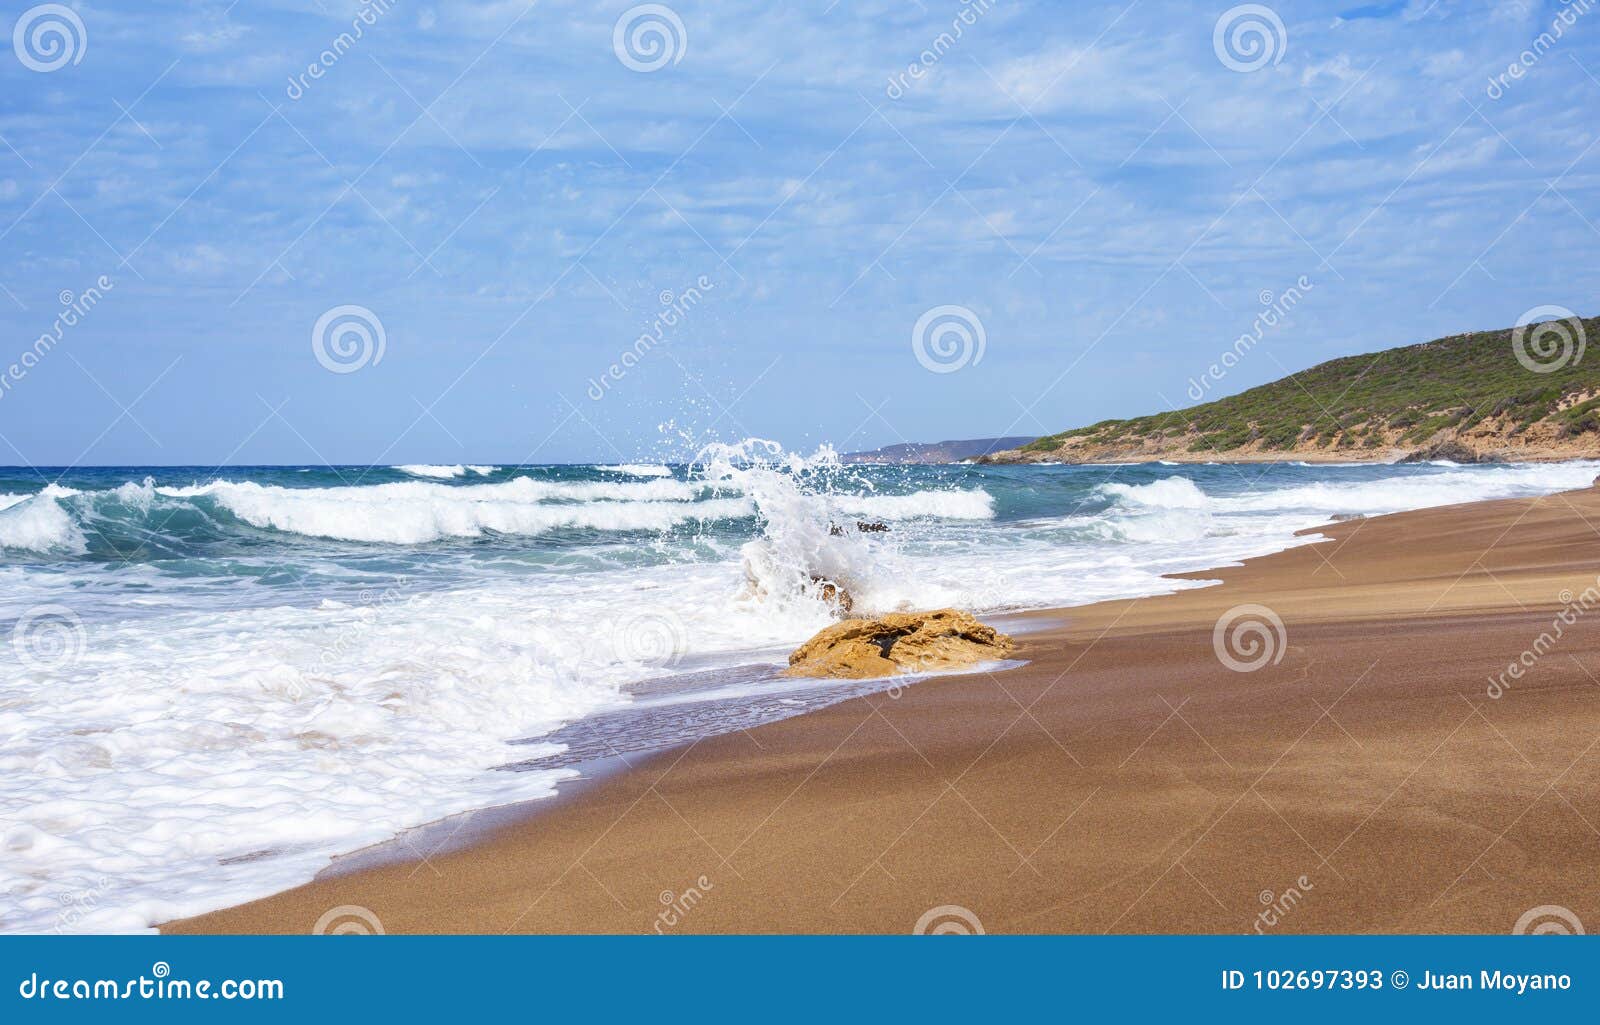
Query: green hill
[1517, 393]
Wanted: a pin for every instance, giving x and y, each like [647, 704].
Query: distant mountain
[937, 451]
[1521, 393]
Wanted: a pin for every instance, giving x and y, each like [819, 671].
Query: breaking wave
[444, 472]
[303, 637]
[64, 521]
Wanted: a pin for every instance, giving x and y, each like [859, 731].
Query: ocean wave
[272, 730]
[444, 472]
[519, 489]
[38, 523]
[417, 513]
[635, 469]
[973, 504]
[63, 521]
[1446, 485]
[1167, 493]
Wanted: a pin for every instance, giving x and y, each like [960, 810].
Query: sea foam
[274, 686]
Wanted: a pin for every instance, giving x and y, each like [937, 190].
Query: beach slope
[1370, 767]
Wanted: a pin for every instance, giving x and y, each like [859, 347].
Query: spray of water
[812, 548]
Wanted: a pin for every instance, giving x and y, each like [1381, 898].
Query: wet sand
[1361, 779]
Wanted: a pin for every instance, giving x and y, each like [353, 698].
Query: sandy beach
[1126, 780]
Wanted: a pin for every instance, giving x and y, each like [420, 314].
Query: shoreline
[1316, 457]
[1124, 780]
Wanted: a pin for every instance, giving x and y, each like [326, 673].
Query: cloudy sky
[1100, 196]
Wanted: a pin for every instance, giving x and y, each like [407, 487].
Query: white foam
[444, 472]
[438, 472]
[973, 504]
[637, 469]
[212, 757]
[38, 523]
[1414, 491]
[418, 520]
[804, 547]
[1168, 493]
[194, 756]
[414, 513]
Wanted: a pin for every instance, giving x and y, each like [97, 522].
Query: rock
[1450, 449]
[835, 595]
[861, 649]
[834, 530]
[1345, 517]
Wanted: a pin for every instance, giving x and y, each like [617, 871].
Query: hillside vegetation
[1464, 396]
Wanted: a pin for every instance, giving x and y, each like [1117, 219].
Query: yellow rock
[861, 649]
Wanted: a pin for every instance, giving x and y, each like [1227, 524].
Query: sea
[214, 682]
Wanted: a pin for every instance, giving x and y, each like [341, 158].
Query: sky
[326, 231]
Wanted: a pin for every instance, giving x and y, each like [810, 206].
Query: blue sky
[1110, 191]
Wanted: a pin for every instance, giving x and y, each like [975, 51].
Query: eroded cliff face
[1485, 442]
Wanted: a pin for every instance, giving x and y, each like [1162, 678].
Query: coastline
[1125, 780]
[1312, 456]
